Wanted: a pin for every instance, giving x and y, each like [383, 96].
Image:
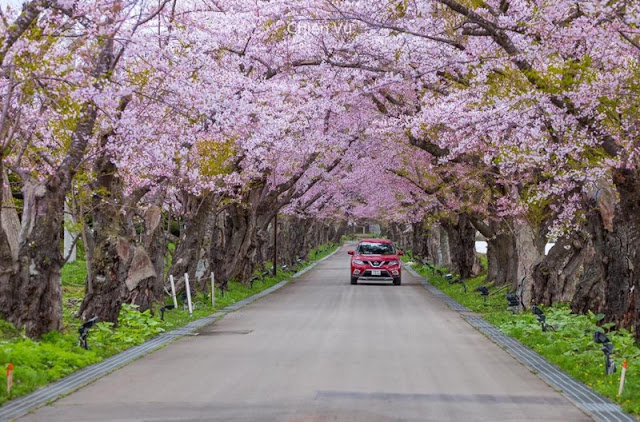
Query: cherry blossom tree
[516, 119]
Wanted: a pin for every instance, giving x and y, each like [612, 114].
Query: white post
[173, 292]
[213, 290]
[69, 246]
[624, 371]
[186, 285]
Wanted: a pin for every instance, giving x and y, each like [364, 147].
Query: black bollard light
[513, 302]
[484, 292]
[165, 308]
[84, 332]
[464, 285]
[449, 277]
[607, 348]
[542, 318]
[223, 287]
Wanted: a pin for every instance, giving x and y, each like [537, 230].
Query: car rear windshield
[376, 249]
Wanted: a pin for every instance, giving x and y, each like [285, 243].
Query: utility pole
[275, 244]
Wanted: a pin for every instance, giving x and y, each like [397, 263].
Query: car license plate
[376, 272]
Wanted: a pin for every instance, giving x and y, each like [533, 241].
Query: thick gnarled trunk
[33, 297]
[112, 249]
[610, 281]
[145, 278]
[233, 259]
[555, 277]
[462, 245]
[192, 237]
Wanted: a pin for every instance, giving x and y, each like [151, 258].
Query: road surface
[320, 349]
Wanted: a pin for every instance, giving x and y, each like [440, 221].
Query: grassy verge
[55, 355]
[570, 347]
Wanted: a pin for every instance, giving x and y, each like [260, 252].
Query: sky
[12, 3]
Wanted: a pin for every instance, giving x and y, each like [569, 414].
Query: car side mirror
[400, 253]
[351, 252]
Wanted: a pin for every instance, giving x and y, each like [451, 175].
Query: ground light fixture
[542, 318]
[484, 292]
[165, 308]
[451, 280]
[224, 286]
[607, 348]
[84, 332]
[431, 267]
[513, 302]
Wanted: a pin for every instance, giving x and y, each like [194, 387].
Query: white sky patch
[15, 4]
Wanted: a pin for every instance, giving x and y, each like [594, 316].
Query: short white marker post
[622, 374]
[213, 290]
[186, 285]
[173, 292]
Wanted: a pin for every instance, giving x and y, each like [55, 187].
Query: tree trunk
[34, 294]
[113, 251]
[432, 244]
[530, 245]
[117, 264]
[419, 245]
[234, 259]
[609, 283]
[462, 243]
[189, 248]
[8, 248]
[444, 248]
[554, 278]
[145, 278]
[502, 255]
[10, 221]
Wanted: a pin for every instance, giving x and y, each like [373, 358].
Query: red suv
[376, 260]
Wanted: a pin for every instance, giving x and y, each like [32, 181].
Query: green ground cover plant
[569, 345]
[57, 354]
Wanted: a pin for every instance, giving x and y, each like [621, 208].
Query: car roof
[376, 241]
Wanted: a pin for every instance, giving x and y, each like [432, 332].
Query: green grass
[570, 347]
[55, 355]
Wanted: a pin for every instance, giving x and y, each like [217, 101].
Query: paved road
[320, 349]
